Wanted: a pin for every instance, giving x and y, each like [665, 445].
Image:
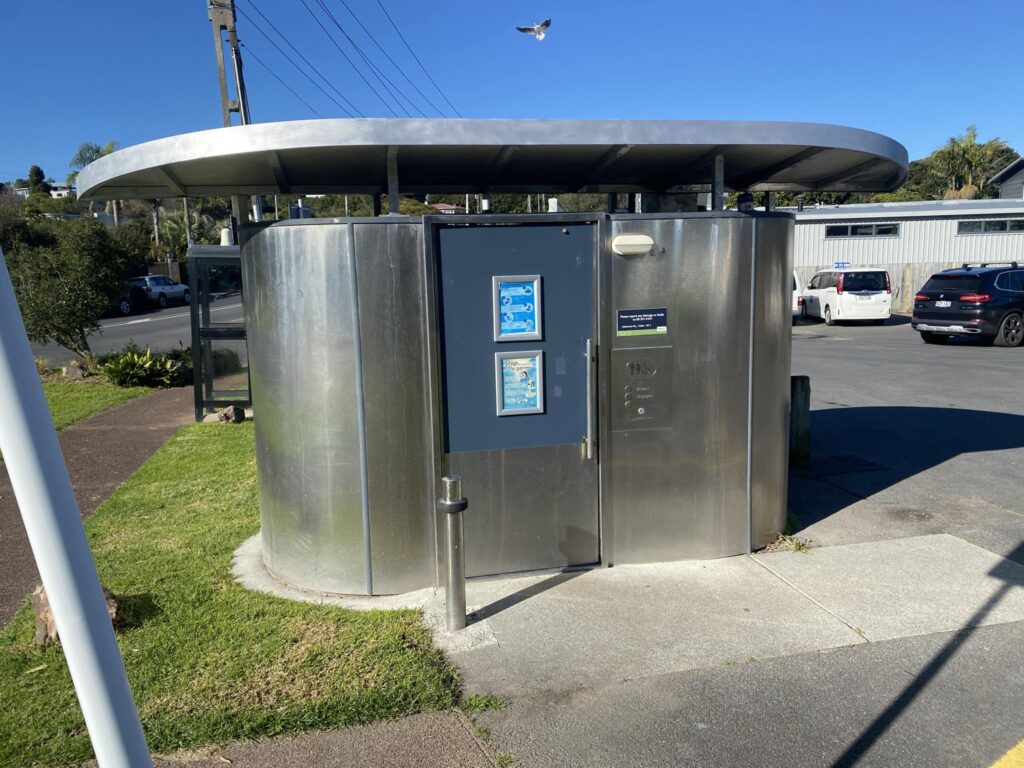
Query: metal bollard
[453, 504]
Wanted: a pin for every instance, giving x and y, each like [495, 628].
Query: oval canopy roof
[459, 156]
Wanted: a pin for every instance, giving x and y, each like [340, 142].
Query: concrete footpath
[900, 652]
[101, 453]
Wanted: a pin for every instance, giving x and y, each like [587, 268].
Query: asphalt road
[161, 329]
[907, 439]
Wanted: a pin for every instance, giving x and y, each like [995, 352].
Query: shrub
[132, 368]
[225, 361]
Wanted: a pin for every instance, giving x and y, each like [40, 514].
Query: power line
[417, 58]
[290, 59]
[342, 52]
[393, 62]
[259, 61]
[383, 79]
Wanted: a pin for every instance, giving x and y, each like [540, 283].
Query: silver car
[161, 290]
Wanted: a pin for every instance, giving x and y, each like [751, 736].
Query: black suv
[985, 300]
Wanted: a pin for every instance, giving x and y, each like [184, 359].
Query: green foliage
[482, 702]
[133, 368]
[209, 661]
[225, 362]
[39, 203]
[37, 180]
[174, 236]
[90, 153]
[65, 277]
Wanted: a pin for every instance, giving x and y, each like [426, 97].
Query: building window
[989, 226]
[862, 230]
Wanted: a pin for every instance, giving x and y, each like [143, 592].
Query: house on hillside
[1010, 181]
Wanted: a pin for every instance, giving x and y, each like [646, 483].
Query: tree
[37, 180]
[67, 282]
[90, 153]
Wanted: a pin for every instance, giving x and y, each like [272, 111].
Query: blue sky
[914, 70]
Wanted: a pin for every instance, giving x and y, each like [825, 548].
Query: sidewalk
[100, 453]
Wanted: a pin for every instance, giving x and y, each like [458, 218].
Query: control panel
[641, 388]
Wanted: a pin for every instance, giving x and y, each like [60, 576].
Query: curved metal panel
[299, 295]
[772, 352]
[351, 155]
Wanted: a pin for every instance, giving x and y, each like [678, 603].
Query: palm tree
[965, 164]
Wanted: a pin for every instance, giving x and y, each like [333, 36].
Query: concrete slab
[901, 512]
[249, 570]
[950, 700]
[906, 587]
[569, 631]
[432, 740]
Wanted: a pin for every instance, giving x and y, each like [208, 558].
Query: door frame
[432, 344]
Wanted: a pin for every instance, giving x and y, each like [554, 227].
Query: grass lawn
[72, 401]
[209, 661]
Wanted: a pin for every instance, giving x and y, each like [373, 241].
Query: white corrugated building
[911, 240]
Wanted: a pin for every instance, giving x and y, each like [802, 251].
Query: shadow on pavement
[882, 446]
[523, 594]
[1011, 577]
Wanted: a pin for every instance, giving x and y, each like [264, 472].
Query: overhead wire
[305, 74]
[259, 61]
[409, 47]
[383, 79]
[342, 52]
[393, 62]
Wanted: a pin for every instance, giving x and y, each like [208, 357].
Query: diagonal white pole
[48, 507]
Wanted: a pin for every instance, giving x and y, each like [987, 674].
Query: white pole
[48, 507]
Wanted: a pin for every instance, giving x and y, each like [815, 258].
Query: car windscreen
[968, 283]
[863, 281]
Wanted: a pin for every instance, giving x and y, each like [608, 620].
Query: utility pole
[222, 18]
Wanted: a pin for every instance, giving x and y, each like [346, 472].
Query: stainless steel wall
[335, 315]
[772, 340]
[341, 323]
[676, 487]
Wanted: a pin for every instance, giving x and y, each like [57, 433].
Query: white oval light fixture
[632, 245]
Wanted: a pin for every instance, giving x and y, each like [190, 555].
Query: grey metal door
[517, 319]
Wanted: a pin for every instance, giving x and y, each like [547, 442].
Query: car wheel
[934, 338]
[1011, 331]
[828, 315]
[124, 306]
[162, 301]
[186, 297]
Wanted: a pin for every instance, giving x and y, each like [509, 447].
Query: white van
[849, 293]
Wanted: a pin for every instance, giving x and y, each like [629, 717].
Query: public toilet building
[613, 387]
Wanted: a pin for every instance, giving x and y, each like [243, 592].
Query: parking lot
[909, 438]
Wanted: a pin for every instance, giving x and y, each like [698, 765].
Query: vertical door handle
[589, 354]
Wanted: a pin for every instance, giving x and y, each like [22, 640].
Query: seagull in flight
[537, 30]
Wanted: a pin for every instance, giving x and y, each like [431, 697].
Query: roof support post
[393, 201]
[718, 184]
[769, 201]
[376, 203]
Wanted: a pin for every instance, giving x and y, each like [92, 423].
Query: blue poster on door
[517, 307]
[519, 382]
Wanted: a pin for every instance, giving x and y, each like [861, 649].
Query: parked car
[849, 293]
[130, 299]
[984, 300]
[161, 290]
[798, 299]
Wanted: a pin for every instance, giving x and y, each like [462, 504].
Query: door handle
[589, 440]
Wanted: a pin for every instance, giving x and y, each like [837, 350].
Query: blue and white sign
[519, 382]
[841, 265]
[517, 307]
